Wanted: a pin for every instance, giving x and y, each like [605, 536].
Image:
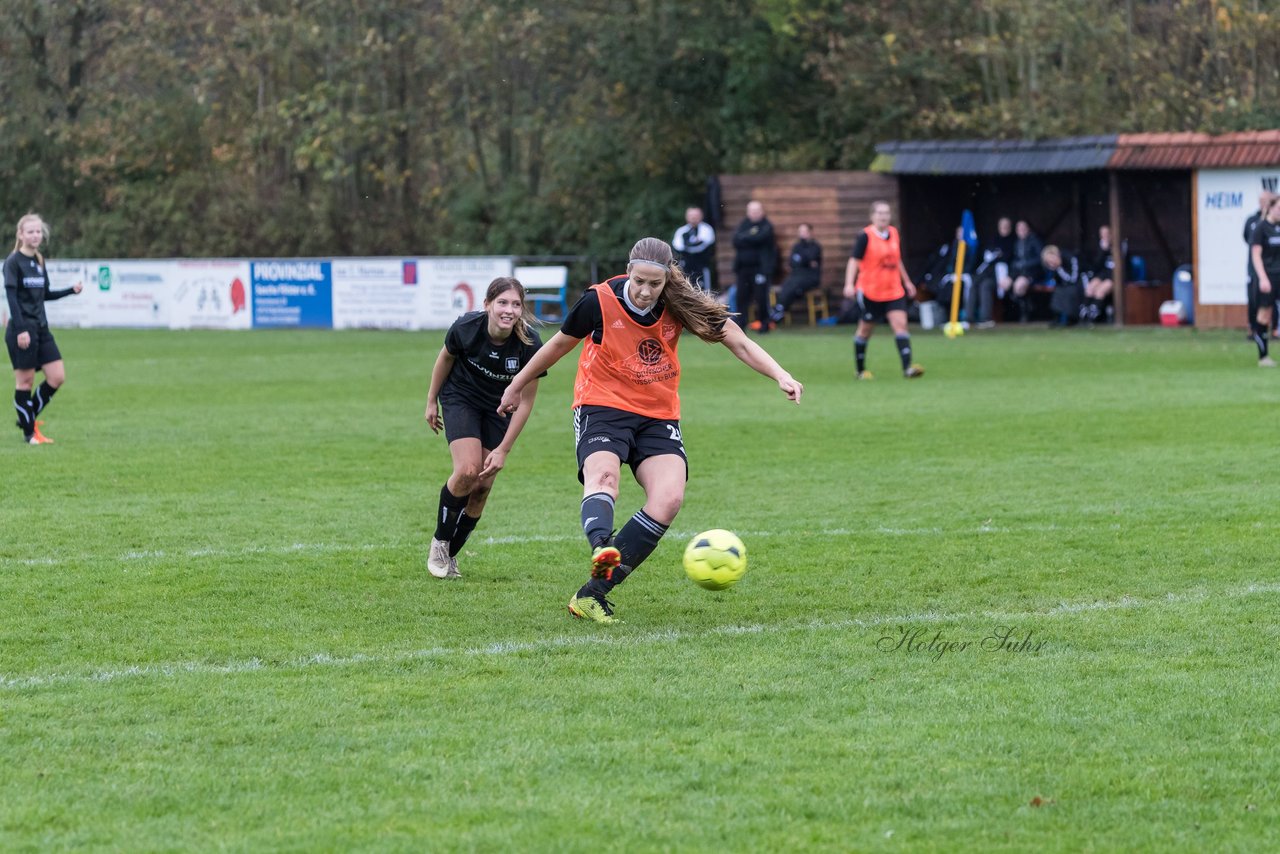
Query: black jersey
[1251, 225]
[1267, 235]
[26, 287]
[482, 367]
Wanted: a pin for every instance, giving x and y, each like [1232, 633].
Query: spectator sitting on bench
[1062, 281]
[1024, 267]
[805, 275]
[991, 279]
[1099, 276]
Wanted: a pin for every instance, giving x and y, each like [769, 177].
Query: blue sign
[292, 294]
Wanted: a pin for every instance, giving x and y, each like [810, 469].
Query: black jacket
[756, 247]
[806, 260]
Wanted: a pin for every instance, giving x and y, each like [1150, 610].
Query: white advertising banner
[375, 293]
[208, 294]
[454, 286]
[231, 293]
[1225, 199]
[130, 293]
[74, 310]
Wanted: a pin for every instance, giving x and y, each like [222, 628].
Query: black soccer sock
[860, 352]
[447, 517]
[1260, 332]
[43, 395]
[466, 524]
[638, 538]
[26, 410]
[904, 349]
[597, 518]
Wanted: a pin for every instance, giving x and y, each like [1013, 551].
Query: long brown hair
[44, 229]
[526, 320]
[689, 304]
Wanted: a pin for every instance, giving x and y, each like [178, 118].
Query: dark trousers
[795, 286]
[750, 293]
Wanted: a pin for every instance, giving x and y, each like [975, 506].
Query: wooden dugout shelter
[1174, 198]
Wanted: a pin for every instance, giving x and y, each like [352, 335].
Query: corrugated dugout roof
[994, 157]
[1080, 154]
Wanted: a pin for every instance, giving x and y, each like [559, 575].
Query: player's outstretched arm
[547, 355]
[754, 356]
[439, 373]
[498, 456]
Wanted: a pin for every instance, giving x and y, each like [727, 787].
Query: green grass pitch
[1025, 603]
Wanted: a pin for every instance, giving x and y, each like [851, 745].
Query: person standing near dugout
[626, 405]
[1250, 225]
[482, 352]
[877, 279]
[1264, 251]
[31, 345]
[754, 262]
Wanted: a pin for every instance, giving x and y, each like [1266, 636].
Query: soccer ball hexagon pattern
[715, 559]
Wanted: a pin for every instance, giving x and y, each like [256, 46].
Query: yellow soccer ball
[715, 559]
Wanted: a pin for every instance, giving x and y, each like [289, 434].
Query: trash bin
[1184, 292]
[931, 314]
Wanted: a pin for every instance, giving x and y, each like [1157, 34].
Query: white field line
[605, 638]
[285, 549]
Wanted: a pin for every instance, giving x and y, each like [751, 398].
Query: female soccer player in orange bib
[877, 279]
[626, 406]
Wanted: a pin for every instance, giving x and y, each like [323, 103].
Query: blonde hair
[688, 304]
[526, 320]
[44, 230]
[1051, 251]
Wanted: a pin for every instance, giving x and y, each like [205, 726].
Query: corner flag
[969, 241]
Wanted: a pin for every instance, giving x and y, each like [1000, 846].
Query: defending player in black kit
[482, 351]
[31, 345]
[1264, 251]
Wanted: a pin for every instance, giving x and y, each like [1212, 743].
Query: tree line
[368, 127]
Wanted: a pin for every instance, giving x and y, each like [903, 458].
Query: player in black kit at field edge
[31, 345]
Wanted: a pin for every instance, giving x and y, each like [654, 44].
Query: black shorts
[634, 438]
[41, 351]
[464, 419]
[874, 312]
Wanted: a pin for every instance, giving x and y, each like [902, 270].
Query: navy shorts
[634, 438]
[41, 351]
[464, 419]
[875, 312]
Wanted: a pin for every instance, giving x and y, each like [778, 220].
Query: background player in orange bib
[626, 405]
[877, 279]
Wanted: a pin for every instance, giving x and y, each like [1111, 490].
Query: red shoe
[604, 561]
[41, 439]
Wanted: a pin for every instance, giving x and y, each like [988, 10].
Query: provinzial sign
[292, 293]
